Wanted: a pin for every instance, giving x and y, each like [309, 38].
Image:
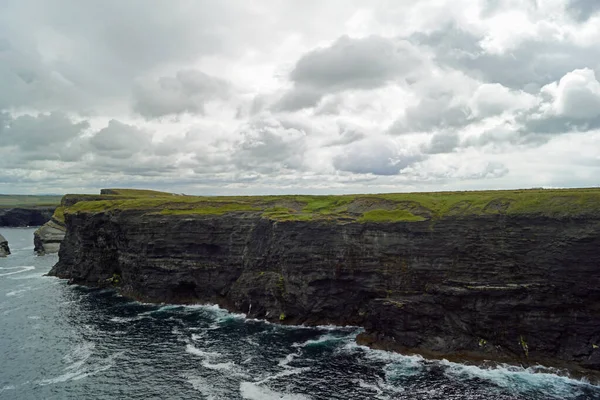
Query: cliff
[508, 276]
[25, 216]
[4, 249]
[26, 210]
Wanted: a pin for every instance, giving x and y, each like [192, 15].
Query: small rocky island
[497, 275]
[4, 249]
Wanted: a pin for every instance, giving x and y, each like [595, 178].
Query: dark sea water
[71, 342]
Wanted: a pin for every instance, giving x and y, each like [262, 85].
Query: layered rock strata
[519, 288]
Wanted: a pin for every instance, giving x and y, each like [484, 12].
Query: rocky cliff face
[48, 237]
[25, 216]
[4, 249]
[517, 288]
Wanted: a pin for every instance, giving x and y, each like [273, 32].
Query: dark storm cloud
[187, 91]
[348, 63]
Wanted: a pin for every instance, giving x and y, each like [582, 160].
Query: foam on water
[253, 391]
[200, 353]
[79, 367]
[18, 291]
[126, 320]
[207, 388]
[328, 339]
[22, 268]
[539, 380]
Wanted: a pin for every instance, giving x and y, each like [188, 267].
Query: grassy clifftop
[405, 207]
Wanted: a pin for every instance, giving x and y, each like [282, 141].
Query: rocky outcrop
[25, 216]
[48, 237]
[4, 249]
[520, 288]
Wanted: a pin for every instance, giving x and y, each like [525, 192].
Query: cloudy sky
[311, 96]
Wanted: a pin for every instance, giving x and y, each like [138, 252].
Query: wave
[79, 367]
[200, 353]
[125, 320]
[541, 380]
[253, 391]
[207, 388]
[327, 340]
[23, 268]
[18, 291]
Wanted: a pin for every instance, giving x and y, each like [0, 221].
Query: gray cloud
[571, 104]
[267, 145]
[348, 64]
[187, 91]
[532, 64]
[435, 112]
[582, 10]
[119, 140]
[52, 136]
[443, 142]
[347, 134]
[377, 156]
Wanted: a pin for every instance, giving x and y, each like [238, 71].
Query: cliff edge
[500, 275]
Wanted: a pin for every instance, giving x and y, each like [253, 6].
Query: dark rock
[22, 217]
[4, 249]
[524, 289]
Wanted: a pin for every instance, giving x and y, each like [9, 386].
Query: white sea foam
[200, 353]
[518, 379]
[207, 388]
[253, 391]
[284, 362]
[126, 320]
[7, 387]
[21, 269]
[18, 291]
[287, 372]
[79, 367]
[227, 366]
[328, 338]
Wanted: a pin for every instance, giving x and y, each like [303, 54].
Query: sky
[272, 96]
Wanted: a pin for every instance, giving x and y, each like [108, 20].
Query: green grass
[389, 216]
[9, 201]
[59, 215]
[394, 207]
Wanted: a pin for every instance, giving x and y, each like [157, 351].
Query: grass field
[9, 201]
[395, 207]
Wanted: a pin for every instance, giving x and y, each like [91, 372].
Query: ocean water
[71, 342]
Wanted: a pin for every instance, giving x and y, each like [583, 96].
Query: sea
[60, 341]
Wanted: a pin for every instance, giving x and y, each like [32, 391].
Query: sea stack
[4, 250]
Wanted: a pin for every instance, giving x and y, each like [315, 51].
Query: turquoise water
[71, 342]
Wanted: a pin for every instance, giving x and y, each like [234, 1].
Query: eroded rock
[48, 237]
[4, 249]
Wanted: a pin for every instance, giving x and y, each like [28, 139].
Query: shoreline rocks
[48, 237]
[4, 249]
[18, 217]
